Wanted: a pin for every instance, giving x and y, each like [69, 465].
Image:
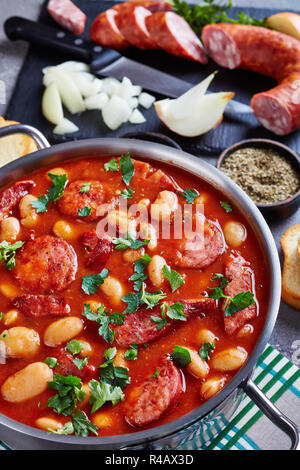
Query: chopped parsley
[102, 393]
[139, 275]
[91, 282]
[155, 373]
[53, 194]
[127, 193]
[181, 356]
[86, 211]
[85, 188]
[80, 363]
[132, 353]
[74, 346]
[174, 312]
[173, 277]
[114, 376]
[51, 362]
[112, 165]
[128, 242]
[226, 206]
[223, 279]
[105, 320]
[233, 304]
[127, 168]
[8, 253]
[190, 195]
[69, 392]
[151, 299]
[110, 353]
[1, 316]
[205, 350]
[133, 301]
[80, 426]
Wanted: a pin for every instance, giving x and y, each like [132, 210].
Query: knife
[103, 61]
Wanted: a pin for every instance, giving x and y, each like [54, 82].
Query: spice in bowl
[265, 175]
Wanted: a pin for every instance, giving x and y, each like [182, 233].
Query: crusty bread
[14, 146]
[290, 243]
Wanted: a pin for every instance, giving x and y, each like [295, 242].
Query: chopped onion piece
[116, 112]
[133, 102]
[125, 91]
[65, 127]
[136, 90]
[68, 90]
[146, 100]
[84, 82]
[96, 101]
[51, 104]
[136, 117]
[110, 86]
[74, 66]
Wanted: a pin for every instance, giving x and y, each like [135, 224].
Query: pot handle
[36, 135]
[273, 413]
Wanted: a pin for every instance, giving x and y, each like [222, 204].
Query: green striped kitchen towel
[249, 429]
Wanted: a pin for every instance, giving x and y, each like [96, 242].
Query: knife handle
[39, 34]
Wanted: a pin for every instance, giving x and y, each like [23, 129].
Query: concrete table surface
[286, 335]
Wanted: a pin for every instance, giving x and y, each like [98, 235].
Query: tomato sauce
[184, 334]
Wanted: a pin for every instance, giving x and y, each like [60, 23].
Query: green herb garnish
[181, 356]
[139, 275]
[226, 206]
[190, 195]
[132, 353]
[102, 393]
[127, 193]
[69, 392]
[86, 211]
[74, 346]
[112, 165]
[173, 277]
[205, 350]
[128, 242]
[127, 168]
[53, 194]
[91, 282]
[51, 362]
[8, 253]
[85, 188]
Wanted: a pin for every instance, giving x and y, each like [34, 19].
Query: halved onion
[51, 104]
[116, 112]
[65, 126]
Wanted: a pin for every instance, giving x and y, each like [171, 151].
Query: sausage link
[12, 196]
[41, 305]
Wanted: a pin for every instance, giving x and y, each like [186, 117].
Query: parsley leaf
[80, 363]
[155, 373]
[151, 298]
[239, 302]
[51, 362]
[181, 356]
[110, 353]
[132, 353]
[74, 346]
[226, 206]
[133, 301]
[67, 429]
[190, 195]
[102, 393]
[69, 392]
[53, 194]
[127, 193]
[8, 253]
[129, 242]
[205, 350]
[112, 165]
[173, 277]
[41, 204]
[160, 321]
[127, 168]
[223, 279]
[104, 320]
[85, 188]
[176, 311]
[82, 425]
[91, 282]
[84, 212]
[114, 376]
[139, 276]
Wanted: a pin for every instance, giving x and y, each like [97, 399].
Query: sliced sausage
[145, 171]
[41, 305]
[98, 249]
[174, 35]
[46, 265]
[12, 196]
[104, 31]
[241, 280]
[151, 5]
[138, 327]
[133, 28]
[148, 401]
[72, 200]
[270, 53]
[198, 250]
[67, 15]
[66, 366]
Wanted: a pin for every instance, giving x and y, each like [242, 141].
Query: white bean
[245, 331]
[155, 270]
[130, 256]
[102, 420]
[64, 230]
[165, 204]
[27, 383]
[20, 342]
[113, 289]
[10, 229]
[86, 348]
[212, 386]
[205, 336]
[229, 359]
[10, 317]
[197, 366]
[62, 330]
[47, 423]
[235, 233]
[25, 206]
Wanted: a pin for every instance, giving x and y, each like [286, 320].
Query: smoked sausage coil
[12, 196]
[138, 327]
[67, 15]
[270, 53]
[41, 305]
[173, 34]
[148, 401]
[241, 280]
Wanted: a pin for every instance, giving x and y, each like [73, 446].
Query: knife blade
[103, 61]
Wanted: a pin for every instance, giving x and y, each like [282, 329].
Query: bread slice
[290, 243]
[14, 146]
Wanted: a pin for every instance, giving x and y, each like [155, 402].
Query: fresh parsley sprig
[181, 356]
[80, 426]
[91, 282]
[130, 241]
[53, 194]
[233, 304]
[68, 393]
[104, 318]
[205, 350]
[8, 253]
[173, 277]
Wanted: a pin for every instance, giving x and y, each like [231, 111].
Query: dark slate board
[25, 105]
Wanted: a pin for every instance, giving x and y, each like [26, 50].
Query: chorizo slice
[45, 265]
[145, 171]
[66, 366]
[151, 5]
[67, 15]
[105, 31]
[73, 200]
[261, 50]
[174, 35]
[138, 327]
[41, 305]
[98, 249]
[12, 196]
[241, 280]
[133, 27]
[148, 401]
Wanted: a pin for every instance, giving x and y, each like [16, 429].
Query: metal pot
[211, 417]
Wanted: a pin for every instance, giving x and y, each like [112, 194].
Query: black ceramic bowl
[282, 208]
